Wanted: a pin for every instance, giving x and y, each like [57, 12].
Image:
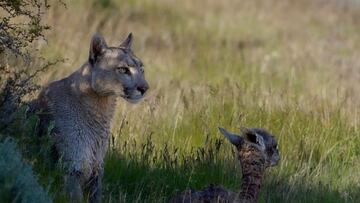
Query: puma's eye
[123, 70]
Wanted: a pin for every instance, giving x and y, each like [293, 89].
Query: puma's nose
[143, 89]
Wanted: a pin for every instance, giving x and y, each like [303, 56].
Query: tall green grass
[317, 156]
[289, 67]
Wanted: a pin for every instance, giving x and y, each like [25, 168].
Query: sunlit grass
[290, 67]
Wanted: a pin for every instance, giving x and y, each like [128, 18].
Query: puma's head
[116, 70]
[255, 143]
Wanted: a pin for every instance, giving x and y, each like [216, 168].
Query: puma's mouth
[134, 97]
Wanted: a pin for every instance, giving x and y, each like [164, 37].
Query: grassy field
[291, 67]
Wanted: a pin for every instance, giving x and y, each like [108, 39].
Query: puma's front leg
[95, 187]
[73, 187]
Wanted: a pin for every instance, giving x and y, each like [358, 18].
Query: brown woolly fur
[257, 150]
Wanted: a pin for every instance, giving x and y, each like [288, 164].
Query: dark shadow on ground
[137, 179]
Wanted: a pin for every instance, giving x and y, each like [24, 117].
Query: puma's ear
[97, 48]
[127, 42]
[233, 138]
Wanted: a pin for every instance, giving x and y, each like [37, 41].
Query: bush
[17, 181]
[15, 36]
[20, 25]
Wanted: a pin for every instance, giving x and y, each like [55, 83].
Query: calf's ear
[233, 138]
[253, 137]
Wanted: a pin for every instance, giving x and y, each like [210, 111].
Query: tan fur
[82, 107]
